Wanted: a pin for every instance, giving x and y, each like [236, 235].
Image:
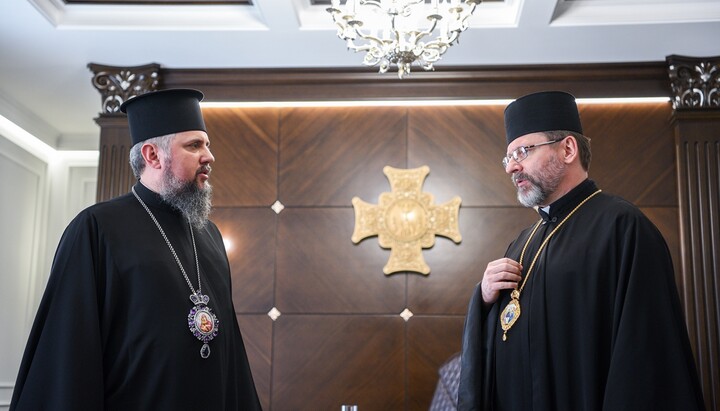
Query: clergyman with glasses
[583, 312]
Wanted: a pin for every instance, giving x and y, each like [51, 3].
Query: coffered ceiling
[45, 45]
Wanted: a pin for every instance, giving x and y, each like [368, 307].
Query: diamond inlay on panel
[406, 314]
[277, 207]
[274, 313]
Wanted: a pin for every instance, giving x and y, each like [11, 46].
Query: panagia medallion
[202, 322]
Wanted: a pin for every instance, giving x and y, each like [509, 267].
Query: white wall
[41, 193]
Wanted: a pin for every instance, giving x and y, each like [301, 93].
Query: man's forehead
[191, 134]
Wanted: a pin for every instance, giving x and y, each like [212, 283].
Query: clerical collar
[565, 203]
[152, 198]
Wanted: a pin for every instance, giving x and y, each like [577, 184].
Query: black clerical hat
[163, 112]
[544, 111]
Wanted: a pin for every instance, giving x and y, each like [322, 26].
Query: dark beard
[192, 201]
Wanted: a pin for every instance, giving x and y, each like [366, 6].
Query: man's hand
[502, 274]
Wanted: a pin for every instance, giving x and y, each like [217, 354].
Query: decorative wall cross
[405, 220]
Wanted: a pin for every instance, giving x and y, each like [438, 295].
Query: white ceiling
[45, 45]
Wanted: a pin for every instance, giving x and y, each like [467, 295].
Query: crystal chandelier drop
[401, 32]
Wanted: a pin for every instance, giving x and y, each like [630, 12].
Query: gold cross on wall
[405, 220]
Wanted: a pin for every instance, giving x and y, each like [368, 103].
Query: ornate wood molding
[486, 82]
[695, 82]
[118, 84]
[115, 177]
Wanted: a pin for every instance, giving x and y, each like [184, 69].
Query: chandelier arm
[428, 31]
[369, 37]
[371, 3]
[369, 47]
[340, 27]
[453, 37]
[414, 3]
[364, 47]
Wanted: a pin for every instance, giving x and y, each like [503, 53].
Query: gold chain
[537, 254]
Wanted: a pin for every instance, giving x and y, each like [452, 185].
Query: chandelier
[401, 32]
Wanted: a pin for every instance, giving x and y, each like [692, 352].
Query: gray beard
[193, 202]
[541, 187]
[534, 196]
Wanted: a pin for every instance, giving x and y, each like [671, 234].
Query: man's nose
[208, 157]
[512, 167]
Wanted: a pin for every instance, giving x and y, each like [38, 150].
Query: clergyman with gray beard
[582, 312]
[138, 311]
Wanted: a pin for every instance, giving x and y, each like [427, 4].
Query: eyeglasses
[521, 153]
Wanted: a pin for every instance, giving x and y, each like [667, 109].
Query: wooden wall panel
[321, 271]
[323, 362]
[463, 146]
[245, 145]
[257, 336]
[328, 155]
[431, 341]
[249, 234]
[633, 154]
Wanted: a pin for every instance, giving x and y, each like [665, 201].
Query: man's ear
[150, 153]
[569, 149]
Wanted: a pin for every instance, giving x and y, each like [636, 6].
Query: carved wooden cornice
[695, 82]
[118, 84]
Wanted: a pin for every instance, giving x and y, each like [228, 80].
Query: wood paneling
[328, 155]
[249, 234]
[633, 155]
[323, 282]
[245, 145]
[257, 336]
[431, 341]
[463, 146]
[323, 362]
[321, 271]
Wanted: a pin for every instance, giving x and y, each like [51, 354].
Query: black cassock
[111, 332]
[601, 326]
